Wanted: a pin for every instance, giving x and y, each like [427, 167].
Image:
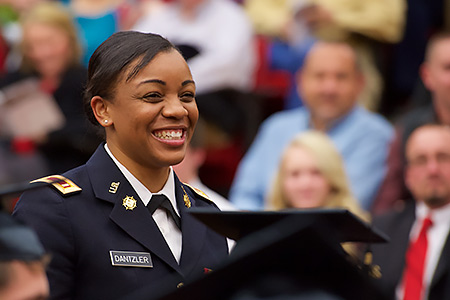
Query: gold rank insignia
[129, 202]
[198, 192]
[64, 185]
[187, 201]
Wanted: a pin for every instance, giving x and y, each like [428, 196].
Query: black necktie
[161, 201]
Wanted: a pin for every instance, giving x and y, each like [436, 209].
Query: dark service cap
[17, 241]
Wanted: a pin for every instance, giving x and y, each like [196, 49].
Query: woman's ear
[100, 109]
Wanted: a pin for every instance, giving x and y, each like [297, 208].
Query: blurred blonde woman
[311, 174]
[50, 68]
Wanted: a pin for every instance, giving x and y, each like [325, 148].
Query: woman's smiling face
[152, 117]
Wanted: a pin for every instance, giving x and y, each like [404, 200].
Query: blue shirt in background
[94, 30]
[361, 137]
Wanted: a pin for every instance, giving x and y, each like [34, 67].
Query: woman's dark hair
[113, 57]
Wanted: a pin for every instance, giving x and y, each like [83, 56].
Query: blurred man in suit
[435, 74]
[416, 262]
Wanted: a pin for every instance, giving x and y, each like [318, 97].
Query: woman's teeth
[169, 134]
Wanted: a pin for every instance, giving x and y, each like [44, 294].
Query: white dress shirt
[166, 224]
[436, 236]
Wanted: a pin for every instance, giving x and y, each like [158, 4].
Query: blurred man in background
[435, 74]
[415, 263]
[330, 83]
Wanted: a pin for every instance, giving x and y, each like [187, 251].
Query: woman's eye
[187, 97]
[152, 97]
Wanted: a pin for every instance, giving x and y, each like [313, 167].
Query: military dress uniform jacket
[80, 229]
[391, 256]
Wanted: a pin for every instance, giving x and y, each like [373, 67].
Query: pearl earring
[106, 121]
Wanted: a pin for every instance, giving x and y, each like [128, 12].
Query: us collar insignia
[113, 188]
[187, 202]
[129, 203]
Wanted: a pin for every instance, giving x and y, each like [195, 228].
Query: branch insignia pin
[129, 203]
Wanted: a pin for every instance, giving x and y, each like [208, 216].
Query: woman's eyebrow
[186, 82]
[152, 81]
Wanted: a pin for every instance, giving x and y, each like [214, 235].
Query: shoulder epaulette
[64, 185]
[198, 192]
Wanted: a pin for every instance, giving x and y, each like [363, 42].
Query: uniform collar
[168, 190]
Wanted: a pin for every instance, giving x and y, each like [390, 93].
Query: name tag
[131, 259]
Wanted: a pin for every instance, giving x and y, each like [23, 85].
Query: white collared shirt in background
[436, 236]
[221, 31]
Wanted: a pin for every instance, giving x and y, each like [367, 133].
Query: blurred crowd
[251, 60]
[265, 70]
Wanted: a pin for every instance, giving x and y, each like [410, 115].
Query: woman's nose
[174, 108]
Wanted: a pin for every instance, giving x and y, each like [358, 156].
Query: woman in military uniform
[103, 222]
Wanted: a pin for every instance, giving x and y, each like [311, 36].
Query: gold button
[180, 285]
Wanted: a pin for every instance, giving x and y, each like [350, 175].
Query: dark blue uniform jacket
[80, 229]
